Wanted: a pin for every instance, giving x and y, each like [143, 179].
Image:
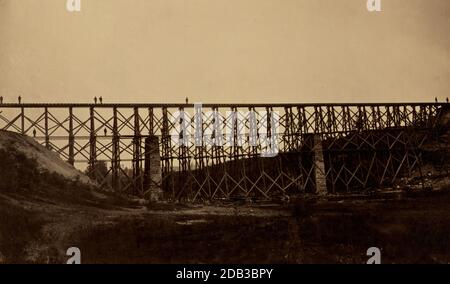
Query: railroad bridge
[322, 148]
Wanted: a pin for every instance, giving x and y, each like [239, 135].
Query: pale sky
[225, 51]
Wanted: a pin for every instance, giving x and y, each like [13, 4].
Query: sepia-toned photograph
[224, 132]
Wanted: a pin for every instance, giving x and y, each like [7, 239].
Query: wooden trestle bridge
[323, 148]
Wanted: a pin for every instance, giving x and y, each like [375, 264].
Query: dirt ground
[407, 229]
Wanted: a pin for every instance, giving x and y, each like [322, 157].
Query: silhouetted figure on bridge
[435, 100]
[106, 131]
[19, 99]
[187, 100]
[101, 100]
[95, 100]
[34, 133]
[446, 99]
[1, 100]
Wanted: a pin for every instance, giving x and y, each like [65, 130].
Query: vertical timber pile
[137, 180]
[47, 138]
[71, 138]
[22, 120]
[115, 161]
[93, 146]
[167, 161]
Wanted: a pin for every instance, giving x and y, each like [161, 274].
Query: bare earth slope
[46, 160]
[43, 200]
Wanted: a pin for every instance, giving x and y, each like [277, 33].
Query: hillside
[43, 199]
[46, 160]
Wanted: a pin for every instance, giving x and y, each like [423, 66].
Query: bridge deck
[208, 105]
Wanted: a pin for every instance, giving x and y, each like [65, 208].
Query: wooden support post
[71, 138]
[22, 120]
[151, 127]
[166, 150]
[137, 180]
[115, 163]
[47, 138]
[147, 158]
[92, 144]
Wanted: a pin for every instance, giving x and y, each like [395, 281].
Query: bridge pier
[319, 166]
[152, 169]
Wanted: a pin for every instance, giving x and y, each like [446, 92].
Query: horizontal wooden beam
[208, 105]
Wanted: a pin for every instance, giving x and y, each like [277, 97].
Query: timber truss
[362, 146]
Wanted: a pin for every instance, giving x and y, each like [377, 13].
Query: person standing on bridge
[101, 100]
[446, 99]
[19, 99]
[1, 100]
[187, 100]
[95, 100]
[435, 99]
